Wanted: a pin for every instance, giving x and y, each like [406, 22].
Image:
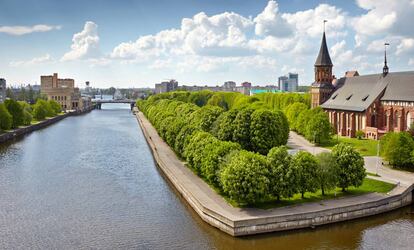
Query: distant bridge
[98, 102]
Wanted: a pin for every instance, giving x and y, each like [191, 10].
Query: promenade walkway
[373, 164]
[213, 209]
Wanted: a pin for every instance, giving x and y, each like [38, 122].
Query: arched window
[396, 119]
[373, 121]
[410, 120]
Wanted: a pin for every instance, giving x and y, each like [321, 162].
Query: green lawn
[365, 147]
[368, 186]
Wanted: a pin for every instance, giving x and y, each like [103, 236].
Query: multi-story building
[62, 91]
[289, 83]
[375, 104]
[2, 90]
[167, 86]
[229, 86]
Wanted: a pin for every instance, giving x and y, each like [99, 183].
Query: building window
[396, 119]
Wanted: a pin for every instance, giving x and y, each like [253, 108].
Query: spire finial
[385, 69]
[324, 21]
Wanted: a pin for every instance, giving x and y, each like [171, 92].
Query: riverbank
[42, 124]
[213, 209]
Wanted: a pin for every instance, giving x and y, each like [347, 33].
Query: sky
[137, 43]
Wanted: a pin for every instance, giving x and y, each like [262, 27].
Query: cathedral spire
[385, 68]
[323, 59]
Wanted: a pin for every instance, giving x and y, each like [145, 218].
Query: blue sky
[137, 43]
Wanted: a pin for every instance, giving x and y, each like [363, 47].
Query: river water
[90, 182]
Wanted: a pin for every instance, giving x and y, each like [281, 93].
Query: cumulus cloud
[37, 60]
[23, 30]
[269, 22]
[85, 44]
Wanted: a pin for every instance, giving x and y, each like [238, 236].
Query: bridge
[98, 102]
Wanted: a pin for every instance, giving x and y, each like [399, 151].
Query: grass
[365, 147]
[368, 186]
[373, 174]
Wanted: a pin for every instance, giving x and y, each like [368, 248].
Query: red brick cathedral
[374, 104]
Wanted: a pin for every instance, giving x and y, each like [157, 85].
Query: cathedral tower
[322, 88]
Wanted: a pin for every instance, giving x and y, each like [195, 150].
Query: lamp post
[378, 158]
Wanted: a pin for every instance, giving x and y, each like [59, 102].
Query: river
[90, 182]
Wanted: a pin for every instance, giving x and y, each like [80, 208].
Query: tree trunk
[278, 197]
[323, 191]
[343, 189]
[303, 195]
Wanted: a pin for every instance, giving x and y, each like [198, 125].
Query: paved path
[373, 164]
[205, 200]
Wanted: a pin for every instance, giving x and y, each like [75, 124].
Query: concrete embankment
[213, 209]
[25, 130]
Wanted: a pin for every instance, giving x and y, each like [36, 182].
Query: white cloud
[23, 30]
[406, 45]
[37, 60]
[269, 22]
[411, 61]
[85, 44]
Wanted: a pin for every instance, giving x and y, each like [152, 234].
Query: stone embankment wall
[238, 223]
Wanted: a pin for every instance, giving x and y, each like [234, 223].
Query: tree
[327, 171]
[293, 111]
[396, 148]
[268, 129]
[40, 109]
[55, 107]
[205, 117]
[318, 128]
[241, 133]
[16, 112]
[214, 155]
[351, 171]
[224, 125]
[194, 151]
[6, 118]
[306, 167]
[244, 178]
[27, 113]
[183, 138]
[282, 176]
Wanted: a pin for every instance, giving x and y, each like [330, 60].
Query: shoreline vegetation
[235, 143]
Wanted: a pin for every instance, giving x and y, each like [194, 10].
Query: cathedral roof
[323, 57]
[359, 92]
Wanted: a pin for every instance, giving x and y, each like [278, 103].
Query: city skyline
[139, 43]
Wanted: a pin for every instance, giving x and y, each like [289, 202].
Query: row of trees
[398, 149]
[216, 144]
[313, 124]
[17, 113]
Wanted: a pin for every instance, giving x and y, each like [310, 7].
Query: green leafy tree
[244, 178]
[205, 117]
[396, 148]
[194, 151]
[241, 133]
[301, 122]
[55, 107]
[306, 167]
[292, 113]
[40, 109]
[214, 155]
[268, 129]
[224, 125]
[318, 128]
[183, 138]
[6, 118]
[351, 171]
[282, 176]
[27, 113]
[16, 112]
[327, 171]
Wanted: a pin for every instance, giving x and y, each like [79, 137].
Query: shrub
[205, 117]
[223, 127]
[282, 176]
[195, 149]
[306, 167]
[351, 171]
[6, 118]
[327, 171]
[244, 178]
[396, 148]
[360, 134]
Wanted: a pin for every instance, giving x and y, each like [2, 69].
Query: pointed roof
[323, 58]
